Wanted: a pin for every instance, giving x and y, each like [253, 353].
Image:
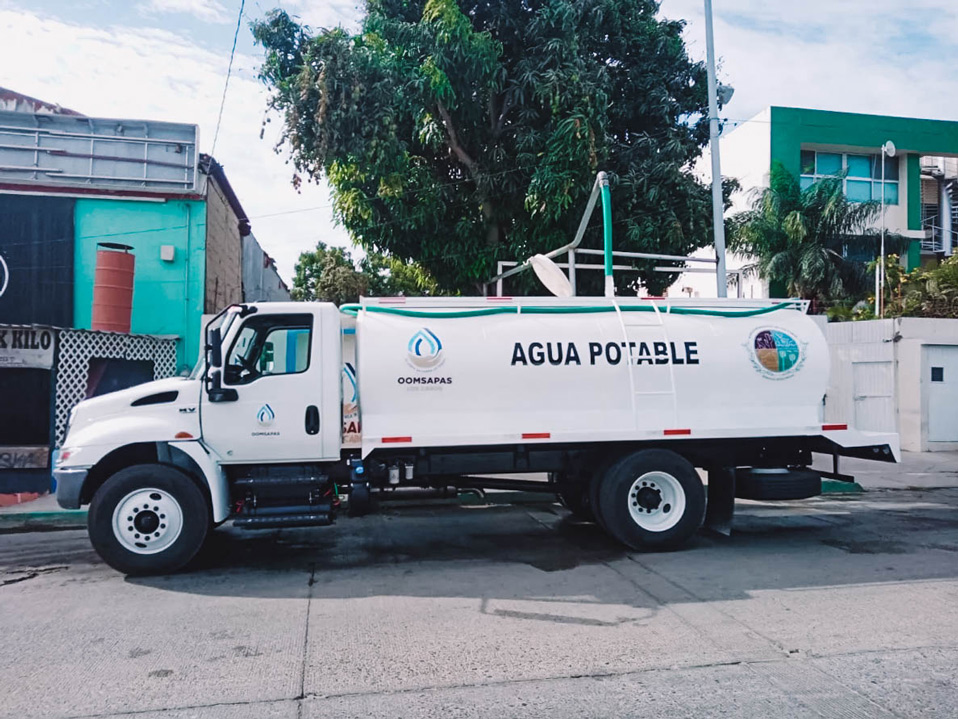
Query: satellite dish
[889, 148]
[551, 276]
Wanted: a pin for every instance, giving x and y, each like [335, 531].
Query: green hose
[513, 310]
[607, 228]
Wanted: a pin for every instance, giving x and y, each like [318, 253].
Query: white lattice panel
[76, 349]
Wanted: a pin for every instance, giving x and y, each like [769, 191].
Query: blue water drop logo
[425, 349]
[266, 415]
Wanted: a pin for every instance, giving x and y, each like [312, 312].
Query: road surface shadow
[878, 537]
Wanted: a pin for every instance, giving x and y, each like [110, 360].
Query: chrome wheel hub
[147, 521]
[656, 501]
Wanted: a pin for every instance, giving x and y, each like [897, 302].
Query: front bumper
[69, 486]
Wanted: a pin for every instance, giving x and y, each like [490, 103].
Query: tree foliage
[803, 239]
[460, 133]
[330, 274]
[923, 292]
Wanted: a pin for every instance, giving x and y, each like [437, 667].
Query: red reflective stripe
[498, 298]
[670, 432]
[536, 435]
[392, 301]
[395, 440]
[828, 427]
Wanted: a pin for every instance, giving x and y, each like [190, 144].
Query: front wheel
[148, 519]
[652, 499]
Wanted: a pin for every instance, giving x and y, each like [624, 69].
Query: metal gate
[940, 375]
[79, 347]
[874, 394]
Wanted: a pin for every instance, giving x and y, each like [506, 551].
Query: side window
[269, 345]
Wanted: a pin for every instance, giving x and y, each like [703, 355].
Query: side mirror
[214, 344]
[217, 392]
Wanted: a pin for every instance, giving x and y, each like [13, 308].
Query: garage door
[941, 378]
[874, 392]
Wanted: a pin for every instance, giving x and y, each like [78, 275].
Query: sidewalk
[917, 470]
[43, 514]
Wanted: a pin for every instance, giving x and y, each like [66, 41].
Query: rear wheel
[148, 519]
[651, 499]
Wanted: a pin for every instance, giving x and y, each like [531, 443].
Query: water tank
[113, 288]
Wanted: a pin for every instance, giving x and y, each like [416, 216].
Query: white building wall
[746, 153]
[900, 346]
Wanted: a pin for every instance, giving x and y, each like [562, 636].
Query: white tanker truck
[616, 400]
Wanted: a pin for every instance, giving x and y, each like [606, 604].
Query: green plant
[800, 238]
[330, 274]
[927, 292]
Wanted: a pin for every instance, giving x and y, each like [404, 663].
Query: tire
[163, 505]
[777, 484]
[594, 485]
[652, 499]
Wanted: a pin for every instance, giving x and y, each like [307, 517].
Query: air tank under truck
[301, 413]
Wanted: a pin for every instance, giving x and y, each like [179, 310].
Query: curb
[836, 486]
[19, 522]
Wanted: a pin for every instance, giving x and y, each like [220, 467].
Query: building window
[862, 174]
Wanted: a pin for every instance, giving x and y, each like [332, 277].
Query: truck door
[273, 406]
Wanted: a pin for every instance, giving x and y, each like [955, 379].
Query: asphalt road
[832, 607]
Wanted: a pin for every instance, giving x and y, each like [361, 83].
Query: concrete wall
[224, 251]
[892, 355]
[261, 281]
[167, 295]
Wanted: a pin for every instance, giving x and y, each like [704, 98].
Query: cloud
[868, 56]
[152, 73]
[326, 13]
[874, 56]
[208, 10]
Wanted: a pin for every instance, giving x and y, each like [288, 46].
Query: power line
[229, 71]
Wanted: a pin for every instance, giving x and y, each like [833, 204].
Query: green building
[920, 181]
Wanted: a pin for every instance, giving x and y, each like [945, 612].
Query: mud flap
[721, 500]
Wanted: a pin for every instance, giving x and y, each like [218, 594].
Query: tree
[390, 277]
[330, 274]
[801, 239]
[462, 133]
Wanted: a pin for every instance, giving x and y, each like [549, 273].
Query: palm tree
[799, 239]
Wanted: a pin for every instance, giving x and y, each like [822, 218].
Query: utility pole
[888, 149]
[718, 205]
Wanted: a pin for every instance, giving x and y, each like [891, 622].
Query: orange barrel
[113, 288]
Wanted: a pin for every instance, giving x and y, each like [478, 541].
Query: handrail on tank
[600, 187]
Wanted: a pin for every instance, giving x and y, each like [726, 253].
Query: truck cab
[266, 394]
[277, 376]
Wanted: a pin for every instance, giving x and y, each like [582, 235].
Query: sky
[167, 60]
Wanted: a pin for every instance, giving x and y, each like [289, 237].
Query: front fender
[213, 474]
[89, 444]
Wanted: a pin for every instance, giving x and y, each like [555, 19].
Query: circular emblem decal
[4, 275]
[775, 353]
